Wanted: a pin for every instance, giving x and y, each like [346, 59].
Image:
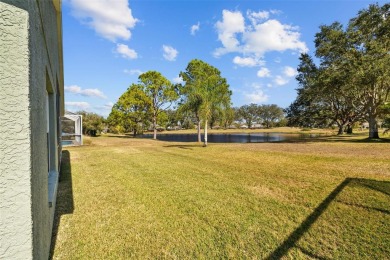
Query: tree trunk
[205, 133]
[135, 132]
[349, 129]
[154, 127]
[341, 130]
[373, 127]
[199, 134]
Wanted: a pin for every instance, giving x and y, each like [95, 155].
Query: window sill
[52, 188]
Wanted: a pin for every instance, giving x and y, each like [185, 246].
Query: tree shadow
[185, 146]
[64, 204]
[121, 136]
[364, 140]
[307, 138]
[378, 186]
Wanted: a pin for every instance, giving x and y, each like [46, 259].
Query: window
[52, 140]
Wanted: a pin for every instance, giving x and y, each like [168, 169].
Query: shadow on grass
[65, 204]
[185, 146]
[347, 138]
[354, 138]
[378, 186]
[121, 136]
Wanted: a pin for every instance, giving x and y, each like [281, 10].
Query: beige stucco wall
[30, 61]
[15, 163]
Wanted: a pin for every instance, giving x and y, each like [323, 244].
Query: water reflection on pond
[233, 138]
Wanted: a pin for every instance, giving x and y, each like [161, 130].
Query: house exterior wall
[30, 67]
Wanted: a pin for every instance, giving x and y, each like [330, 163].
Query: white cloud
[103, 110]
[77, 105]
[274, 11]
[92, 93]
[272, 36]
[110, 19]
[178, 80]
[170, 53]
[257, 96]
[126, 52]
[264, 72]
[133, 71]
[107, 106]
[289, 71]
[195, 28]
[256, 17]
[280, 81]
[262, 35]
[89, 92]
[247, 61]
[231, 24]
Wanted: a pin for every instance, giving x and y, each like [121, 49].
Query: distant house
[365, 125]
[31, 103]
[257, 126]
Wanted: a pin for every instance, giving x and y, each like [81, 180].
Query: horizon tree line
[203, 101]
[350, 84]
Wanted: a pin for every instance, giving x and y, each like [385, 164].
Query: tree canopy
[160, 92]
[352, 80]
[92, 123]
[131, 111]
[205, 91]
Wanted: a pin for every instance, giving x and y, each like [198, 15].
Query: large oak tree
[352, 81]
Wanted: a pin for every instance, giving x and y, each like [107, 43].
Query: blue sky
[255, 44]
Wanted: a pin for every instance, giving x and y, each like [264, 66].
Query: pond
[233, 138]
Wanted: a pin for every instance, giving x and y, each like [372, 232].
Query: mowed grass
[125, 198]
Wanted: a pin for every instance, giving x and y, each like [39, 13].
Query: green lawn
[125, 198]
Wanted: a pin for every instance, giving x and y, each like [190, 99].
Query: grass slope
[122, 198]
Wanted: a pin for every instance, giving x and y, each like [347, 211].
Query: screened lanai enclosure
[72, 129]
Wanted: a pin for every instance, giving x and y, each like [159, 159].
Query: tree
[385, 116]
[334, 80]
[369, 33]
[161, 93]
[92, 123]
[299, 113]
[187, 120]
[162, 120]
[172, 118]
[132, 109]
[307, 110]
[270, 114]
[227, 117]
[205, 91]
[249, 113]
[190, 106]
[353, 79]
